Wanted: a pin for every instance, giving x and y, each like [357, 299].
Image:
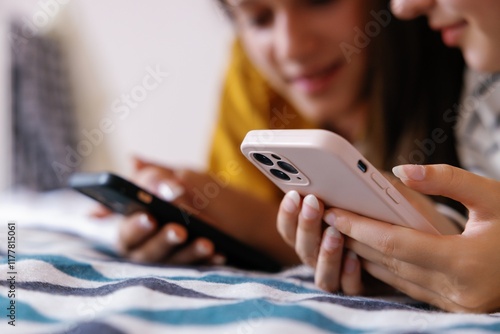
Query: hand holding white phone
[323, 163]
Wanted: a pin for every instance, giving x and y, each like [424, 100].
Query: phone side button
[382, 183]
[393, 195]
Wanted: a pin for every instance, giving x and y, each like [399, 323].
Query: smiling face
[296, 45]
[471, 25]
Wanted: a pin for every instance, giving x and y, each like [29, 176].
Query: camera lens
[287, 167]
[262, 159]
[280, 175]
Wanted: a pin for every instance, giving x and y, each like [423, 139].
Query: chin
[481, 62]
[324, 111]
[317, 113]
[481, 56]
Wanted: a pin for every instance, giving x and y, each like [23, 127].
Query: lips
[452, 33]
[317, 81]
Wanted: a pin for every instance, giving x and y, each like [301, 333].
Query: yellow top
[247, 103]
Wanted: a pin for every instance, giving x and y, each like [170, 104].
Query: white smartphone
[325, 164]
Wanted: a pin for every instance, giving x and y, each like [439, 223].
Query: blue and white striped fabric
[68, 284]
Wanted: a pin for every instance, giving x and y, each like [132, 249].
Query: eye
[261, 19]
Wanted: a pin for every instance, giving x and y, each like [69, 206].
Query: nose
[409, 9]
[294, 38]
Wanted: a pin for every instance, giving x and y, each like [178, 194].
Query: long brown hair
[421, 80]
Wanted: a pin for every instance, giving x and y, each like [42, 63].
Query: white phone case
[329, 167]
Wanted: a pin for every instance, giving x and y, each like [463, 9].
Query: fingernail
[397, 3]
[137, 257]
[169, 191]
[219, 260]
[409, 172]
[332, 239]
[202, 249]
[351, 262]
[291, 201]
[399, 172]
[311, 208]
[330, 218]
[173, 237]
[145, 223]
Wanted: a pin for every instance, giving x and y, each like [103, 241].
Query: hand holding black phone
[126, 198]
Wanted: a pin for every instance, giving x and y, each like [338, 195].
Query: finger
[411, 289]
[161, 183]
[425, 206]
[160, 245]
[134, 230]
[474, 191]
[149, 177]
[100, 211]
[140, 163]
[197, 251]
[287, 219]
[329, 263]
[308, 236]
[419, 201]
[402, 243]
[217, 260]
[169, 190]
[350, 280]
[182, 188]
[421, 276]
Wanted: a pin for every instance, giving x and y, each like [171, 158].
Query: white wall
[112, 46]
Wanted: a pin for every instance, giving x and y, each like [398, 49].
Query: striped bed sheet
[66, 283]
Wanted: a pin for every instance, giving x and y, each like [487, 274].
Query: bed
[67, 278]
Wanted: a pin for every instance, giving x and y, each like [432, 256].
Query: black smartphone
[126, 198]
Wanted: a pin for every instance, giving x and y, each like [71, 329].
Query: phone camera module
[262, 159]
[280, 175]
[287, 167]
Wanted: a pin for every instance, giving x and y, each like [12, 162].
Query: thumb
[141, 163]
[472, 190]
